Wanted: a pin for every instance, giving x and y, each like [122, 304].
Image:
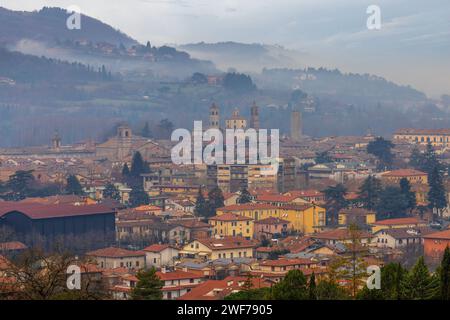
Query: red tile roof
[13, 245]
[157, 247]
[43, 211]
[339, 234]
[230, 217]
[403, 173]
[443, 235]
[276, 198]
[177, 275]
[248, 206]
[286, 262]
[219, 289]
[399, 221]
[227, 243]
[113, 252]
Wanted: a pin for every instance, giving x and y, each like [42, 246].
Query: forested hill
[27, 68]
[49, 25]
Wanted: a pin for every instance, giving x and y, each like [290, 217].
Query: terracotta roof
[339, 234]
[404, 233]
[113, 252]
[42, 211]
[399, 221]
[13, 245]
[286, 262]
[230, 217]
[276, 198]
[219, 289]
[306, 193]
[444, 235]
[248, 206]
[423, 131]
[227, 243]
[356, 212]
[403, 173]
[177, 275]
[190, 223]
[157, 247]
[272, 221]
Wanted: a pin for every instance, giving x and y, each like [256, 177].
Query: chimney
[163, 269]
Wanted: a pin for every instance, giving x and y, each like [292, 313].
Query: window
[137, 263]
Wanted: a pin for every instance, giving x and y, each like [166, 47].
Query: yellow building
[359, 216]
[223, 248]
[413, 176]
[306, 218]
[436, 137]
[236, 121]
[230, 224]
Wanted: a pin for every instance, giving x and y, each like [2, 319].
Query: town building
[226, 247]
[160, 255]
[434, 244]
[396, 223]
[112, 257]
[230, 224]
[413, 176]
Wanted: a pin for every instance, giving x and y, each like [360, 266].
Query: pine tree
[416, 159]
[19, 185]
[138, 197]
[201, 208]
[335, 201]
[444, 275]
[73, 186]
[146, 132]
[410, 196]
[381, 148]
[215, 201]
[111, 192]
[370, 192]
[244, 196]
[292, 287]
[436, 195]
[312, 288]
[148, 287]
[392, 277]
[137, 165]
[419, 284]
[125, 170]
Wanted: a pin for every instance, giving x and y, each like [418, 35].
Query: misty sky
[413, 46]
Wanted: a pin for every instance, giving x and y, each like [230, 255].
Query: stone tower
[254, 116]
[296, 125]
[124, 141]
[214, 117]
[56, 141]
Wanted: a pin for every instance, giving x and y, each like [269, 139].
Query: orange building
[434, 244]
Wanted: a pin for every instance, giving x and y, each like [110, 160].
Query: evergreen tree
[138, 166]
[436, 195]
[19, 185]
[392, 277]
[111, 192]
[444, 275]
[292, 287]
[417, 159]
[146, 132]
[201, 207]
[410, 196]
[335, 201]
[381, 149]
[138, 197]
[370, 193]
[330, 290]
[244, 196]
[215, 201]
[312, 288]
[125, 170]
[393, 204]
[73, 186]
[419, 284]
[323, 157]
[148, 287]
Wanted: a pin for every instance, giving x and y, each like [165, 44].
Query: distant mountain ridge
[48, 25]
[246, 57]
